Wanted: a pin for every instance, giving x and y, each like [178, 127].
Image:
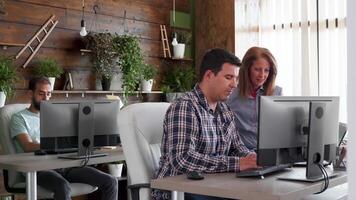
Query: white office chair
[14, 182]
[141, 130]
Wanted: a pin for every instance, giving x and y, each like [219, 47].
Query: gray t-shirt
[246, 110]
[25, 121]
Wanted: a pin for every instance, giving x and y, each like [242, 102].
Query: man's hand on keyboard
[248, 162]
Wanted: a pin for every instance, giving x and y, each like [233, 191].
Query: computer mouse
[39, 152]
[195, 175]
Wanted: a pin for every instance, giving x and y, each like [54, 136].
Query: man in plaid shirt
[199, 129]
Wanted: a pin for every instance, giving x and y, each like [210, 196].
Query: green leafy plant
[184, 37]
[104, 56]
[178, 80]
[149, 71]
[48, 67]
[8, 76]
[131, 61]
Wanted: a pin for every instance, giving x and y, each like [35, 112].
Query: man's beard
[36, 104]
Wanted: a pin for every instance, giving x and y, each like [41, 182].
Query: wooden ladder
[165, 44]
[31, 45]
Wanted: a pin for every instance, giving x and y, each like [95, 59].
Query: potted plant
[177, 81]
[148, 74]
[183, 39]
[8, 77]
[131, 61]
[116, 168]
[104, 57]
[48, 67]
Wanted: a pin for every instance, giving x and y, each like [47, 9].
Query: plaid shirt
[197, 139]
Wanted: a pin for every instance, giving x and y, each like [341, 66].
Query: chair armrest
[135, 189]
[8, 188]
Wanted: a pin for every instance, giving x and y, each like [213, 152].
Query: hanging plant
[104, 57]
[131, 61]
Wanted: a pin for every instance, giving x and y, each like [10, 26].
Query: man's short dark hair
[37, 80]
[214, 59]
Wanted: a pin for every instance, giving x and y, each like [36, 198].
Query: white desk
[30, 164]
[228, 186]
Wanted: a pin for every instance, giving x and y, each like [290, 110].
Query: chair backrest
[6, 142]
[141, 130]
[14, 182]
[6, 113]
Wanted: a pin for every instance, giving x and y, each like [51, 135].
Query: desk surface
[27, 162]
[228, 186]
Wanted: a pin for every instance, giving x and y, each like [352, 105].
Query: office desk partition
[228, 186]
[30, 164]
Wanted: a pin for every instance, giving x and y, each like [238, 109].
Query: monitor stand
[301, 176]
[86, 121]
[315, 152]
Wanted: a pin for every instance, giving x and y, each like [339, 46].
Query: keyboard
[61, 151]
[262, 171]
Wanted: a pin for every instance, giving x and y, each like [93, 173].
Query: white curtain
[333, 55]
[247, 25]
[289, 29]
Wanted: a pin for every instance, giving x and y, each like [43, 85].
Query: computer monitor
[296, 128]
[78, 125]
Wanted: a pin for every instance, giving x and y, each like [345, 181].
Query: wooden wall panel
[70, 19]
[214, 26]
[24, 17]
[181, 5]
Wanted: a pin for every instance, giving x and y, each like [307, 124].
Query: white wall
[351, 95]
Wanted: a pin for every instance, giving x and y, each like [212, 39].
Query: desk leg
[174, 195]
[31, 185]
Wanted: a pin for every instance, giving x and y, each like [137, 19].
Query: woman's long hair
[253, 54]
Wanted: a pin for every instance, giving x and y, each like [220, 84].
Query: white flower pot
[146, 86]
[115, 169]
[116, 82]
[52, 81]
[178, 50]
[2, 98]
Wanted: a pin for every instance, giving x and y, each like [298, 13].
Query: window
[308, 39]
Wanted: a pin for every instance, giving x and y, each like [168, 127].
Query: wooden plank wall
[24, 17]
[214, 26]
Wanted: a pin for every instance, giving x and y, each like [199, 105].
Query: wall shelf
[178, 59]
[8, 44]
[112, 92]
[84, 51]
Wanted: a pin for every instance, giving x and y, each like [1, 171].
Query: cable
[87, 156]
[326, 178]
[326, 174]
[322, 171]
